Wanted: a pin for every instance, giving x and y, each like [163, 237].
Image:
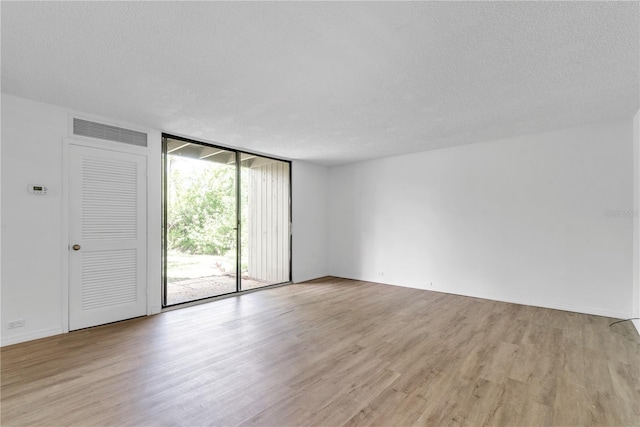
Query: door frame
[66, 244]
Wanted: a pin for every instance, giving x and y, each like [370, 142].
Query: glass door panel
[265, 217]
[200, 221]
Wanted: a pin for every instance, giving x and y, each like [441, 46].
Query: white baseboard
[15, 339]
[514, 300]
[556, 306]
[307, 277]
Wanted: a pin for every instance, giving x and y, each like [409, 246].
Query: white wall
[33, 245]
[31, 240]
[310, 213]
[636, 219]
[0, 217]
[524, 220]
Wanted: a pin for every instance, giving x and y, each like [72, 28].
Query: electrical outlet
[381, 273]
[16, 324]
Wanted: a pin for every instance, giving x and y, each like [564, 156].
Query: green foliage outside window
[201, 207]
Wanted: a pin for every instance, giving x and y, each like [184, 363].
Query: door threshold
[219, 297]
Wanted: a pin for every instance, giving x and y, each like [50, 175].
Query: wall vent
[110, 133]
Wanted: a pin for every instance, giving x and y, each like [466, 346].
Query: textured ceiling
[329, 82]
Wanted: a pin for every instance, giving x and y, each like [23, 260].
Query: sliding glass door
[226, 221]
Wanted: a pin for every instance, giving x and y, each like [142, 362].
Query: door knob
[76, 247]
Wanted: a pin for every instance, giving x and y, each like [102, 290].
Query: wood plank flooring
[332, 352]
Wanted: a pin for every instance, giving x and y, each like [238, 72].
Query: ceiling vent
[110, 133]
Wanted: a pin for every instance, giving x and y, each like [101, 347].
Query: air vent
[110, 133]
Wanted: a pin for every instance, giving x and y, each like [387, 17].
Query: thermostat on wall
[37, 189]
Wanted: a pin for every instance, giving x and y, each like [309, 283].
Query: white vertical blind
[268, 221]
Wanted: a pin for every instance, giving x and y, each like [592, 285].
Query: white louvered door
[107, 231]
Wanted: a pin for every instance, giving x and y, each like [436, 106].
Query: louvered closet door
[107, 227]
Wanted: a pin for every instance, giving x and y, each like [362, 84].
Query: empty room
[320, 213]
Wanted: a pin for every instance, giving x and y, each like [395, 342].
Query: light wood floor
[332, 352]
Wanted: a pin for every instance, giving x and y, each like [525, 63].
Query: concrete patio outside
[204, 287]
